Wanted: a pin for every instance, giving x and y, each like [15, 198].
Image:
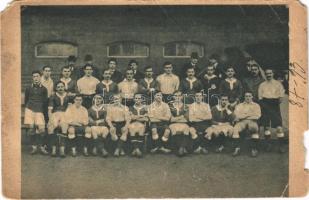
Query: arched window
[127, 49]
[182, 49]
[55, 50]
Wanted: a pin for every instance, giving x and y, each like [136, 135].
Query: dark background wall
[92, 28]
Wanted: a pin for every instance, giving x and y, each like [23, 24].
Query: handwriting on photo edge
[297, 78]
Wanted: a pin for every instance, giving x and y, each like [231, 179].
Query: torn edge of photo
[211, 96]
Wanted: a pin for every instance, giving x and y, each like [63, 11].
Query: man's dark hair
[46, 66]
[132, 61]
[87, 65]
[112, 59]
[167, 63]
[36, 72]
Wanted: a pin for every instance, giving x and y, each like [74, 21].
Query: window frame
[55, 42]
[128, 41]
[183, 41]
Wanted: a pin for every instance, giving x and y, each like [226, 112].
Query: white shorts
[57, 118]
[216, 130]
[136, 127]
[33, 118]
[99, 131]
[179, 128]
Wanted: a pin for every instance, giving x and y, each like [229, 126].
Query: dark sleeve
[240, 90]
[51, 101]
[181, 86]
[221, 87]
[45, 96]
[199, 85]
[26, 95]
[98, 89]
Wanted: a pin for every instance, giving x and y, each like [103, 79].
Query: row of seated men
[122, 118]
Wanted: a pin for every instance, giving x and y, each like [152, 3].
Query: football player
[179, 127]
[246, 117]
[221, 127]
[270, 94]
[118, 120]
[137, 126]
[76, 116]
[35, 100]
[199, 119]
[159, 115]
[57, 106]
[98, 125]
[87, 86]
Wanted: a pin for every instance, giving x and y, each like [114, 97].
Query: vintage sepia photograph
[155, 101]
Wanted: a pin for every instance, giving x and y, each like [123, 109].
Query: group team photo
[154, 101]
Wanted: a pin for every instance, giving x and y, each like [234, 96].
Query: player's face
[178, 97]
[269, 74]
[106, 75]
[112, 65]
[138, 99]
[148, 73]
[78, 101]
[230, 72]
[168, 69]
[249, 65]
[194, 61]
[116, 100]
[199, 97]
[129, 75]
[248, 97]
[60, 87]
[88, 71]
[66, 73]
[134, 66]
[158, 97]
[254, 70]
[47, 72]
[36, 78]
[210, 70]
[224, 101]
[190, 72]
[98, 100]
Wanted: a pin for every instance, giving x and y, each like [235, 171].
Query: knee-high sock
[254, 143]
[120, 144]
[62, 140]
[52, 139]
[205, 142]
[134, 142]
[87, 142]
[236, 143]
[39, 139]
[140, 143]
[221, 140]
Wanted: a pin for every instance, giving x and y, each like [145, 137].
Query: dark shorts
[87, 100]
[160, 126]
[167, 97]
[79, 130]
[118, 126]
[200, 127]
[271, 115]
[127, 102]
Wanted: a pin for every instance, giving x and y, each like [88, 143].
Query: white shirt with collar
[49, 85]
[272, 89]
[168, 83]
[87, 85]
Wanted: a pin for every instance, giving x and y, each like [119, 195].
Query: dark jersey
[59, 103]
[97, 113]
[36, 98]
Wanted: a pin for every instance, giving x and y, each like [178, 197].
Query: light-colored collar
[210, 77]
[96, 108]
[107, 83]
[148, 79]
[65, 79]
[231, 80]
[191, 80]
